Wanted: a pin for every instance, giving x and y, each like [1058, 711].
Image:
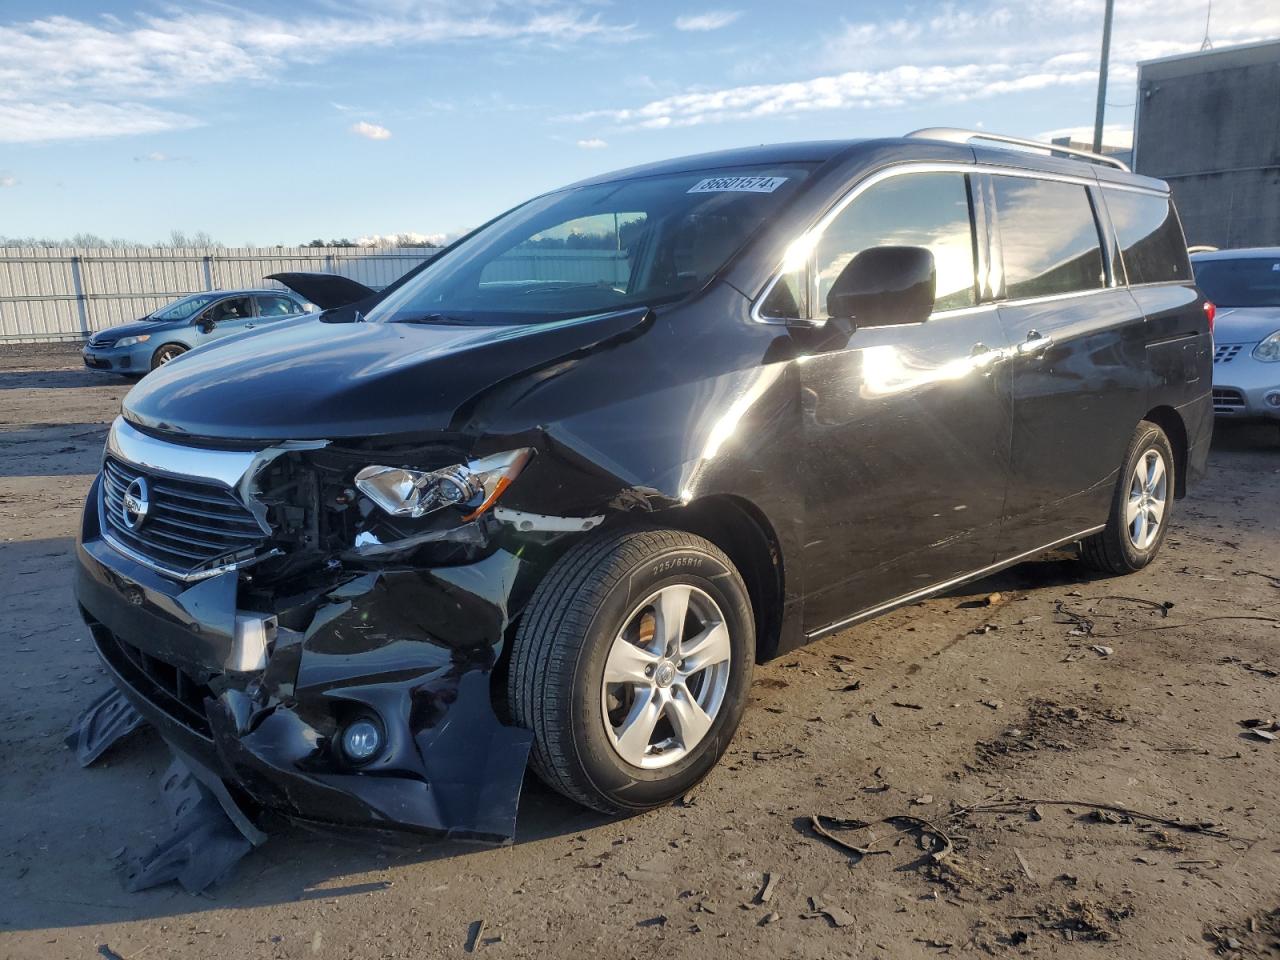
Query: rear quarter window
[1152, 246]
[1048, 237]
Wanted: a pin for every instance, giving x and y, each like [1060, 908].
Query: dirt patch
[1255, 936]
[1047, 725]
[1085, 919]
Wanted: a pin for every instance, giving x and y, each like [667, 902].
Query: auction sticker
[738, 185]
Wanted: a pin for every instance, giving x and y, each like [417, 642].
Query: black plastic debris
[105, 722]
[206, 841]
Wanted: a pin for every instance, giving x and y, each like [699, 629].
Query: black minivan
[547, 500]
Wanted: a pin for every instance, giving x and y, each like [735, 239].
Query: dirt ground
[1069, 691]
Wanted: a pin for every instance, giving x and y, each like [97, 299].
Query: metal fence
[523, 265]
[68, 294]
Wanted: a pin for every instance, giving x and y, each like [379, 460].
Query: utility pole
[1102, 77]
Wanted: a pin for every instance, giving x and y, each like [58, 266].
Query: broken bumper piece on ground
[104, 723]
[208, 833]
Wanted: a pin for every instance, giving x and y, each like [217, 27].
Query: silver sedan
[1245, 287]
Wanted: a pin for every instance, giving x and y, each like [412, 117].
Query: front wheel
[631, 665]
[1140, 508]
[166, 353]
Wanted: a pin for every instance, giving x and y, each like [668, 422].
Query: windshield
[1254, 282]
[597, 248]
[184, 308]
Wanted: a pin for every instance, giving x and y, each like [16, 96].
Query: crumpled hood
[313, 380]
[1245, 324]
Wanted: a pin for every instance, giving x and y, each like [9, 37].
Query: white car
[1244, 285]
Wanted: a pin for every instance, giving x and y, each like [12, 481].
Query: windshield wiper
[556, 286]
[430, 318]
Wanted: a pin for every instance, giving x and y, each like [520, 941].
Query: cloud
[856, 89]
[26, 122]
[711, 20]
[370, 130]
[73, 70]
[157, 156]
[592, 143]
[8, 180]
[947, 54]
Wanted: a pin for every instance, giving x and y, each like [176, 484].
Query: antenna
[1207, 44]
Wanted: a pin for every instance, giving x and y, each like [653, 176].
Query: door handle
[983, 356]
[248, 326]
[1034, 345]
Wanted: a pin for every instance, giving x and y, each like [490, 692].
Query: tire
[1116, 549]
[572, 629]
[166, 353]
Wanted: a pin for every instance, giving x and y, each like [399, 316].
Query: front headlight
[133, 341]
[474, 486]
[1268, 351]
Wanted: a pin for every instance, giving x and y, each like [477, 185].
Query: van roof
[911, 146]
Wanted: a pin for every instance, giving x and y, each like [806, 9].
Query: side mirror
[885, 285]
[204, 323]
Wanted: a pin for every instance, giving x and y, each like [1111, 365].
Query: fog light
[1273, 398]
[361, 741]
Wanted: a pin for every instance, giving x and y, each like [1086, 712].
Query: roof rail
[956, 135]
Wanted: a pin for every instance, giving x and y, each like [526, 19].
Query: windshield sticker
[738, 185]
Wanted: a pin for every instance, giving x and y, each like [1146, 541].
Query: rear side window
[1151, 242]
[1049, 237]
[276, 307]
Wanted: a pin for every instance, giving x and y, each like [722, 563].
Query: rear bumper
[412, 649]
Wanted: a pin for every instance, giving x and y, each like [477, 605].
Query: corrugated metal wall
[67, 294]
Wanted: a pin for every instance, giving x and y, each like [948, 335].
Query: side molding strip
[948, 584]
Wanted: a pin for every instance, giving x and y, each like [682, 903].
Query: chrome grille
[190, 526]
[1226, 353]
[1227, 401]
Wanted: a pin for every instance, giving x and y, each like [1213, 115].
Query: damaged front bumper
[259, 698]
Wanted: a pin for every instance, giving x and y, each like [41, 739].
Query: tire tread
[1104, 551]
[549, 641]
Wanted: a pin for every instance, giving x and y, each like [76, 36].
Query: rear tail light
[1210, 311]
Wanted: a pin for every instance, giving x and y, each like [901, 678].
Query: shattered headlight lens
[1268, 351]
[415, 493]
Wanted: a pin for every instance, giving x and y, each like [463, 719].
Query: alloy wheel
[666, 676]
[1148, 496]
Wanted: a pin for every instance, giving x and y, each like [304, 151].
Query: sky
[276, 122]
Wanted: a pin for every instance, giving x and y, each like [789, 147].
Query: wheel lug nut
[648, 671]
